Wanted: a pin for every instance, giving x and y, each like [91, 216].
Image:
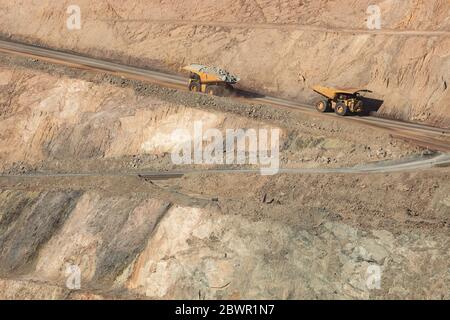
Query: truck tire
[194, 87]
[323, 105]
[341, 109]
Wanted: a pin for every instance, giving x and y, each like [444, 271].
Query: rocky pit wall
[286, 237]
[147, 248]
[44, 117]
[204, 236]
[409, 73]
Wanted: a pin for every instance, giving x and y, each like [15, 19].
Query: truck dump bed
[331, 92]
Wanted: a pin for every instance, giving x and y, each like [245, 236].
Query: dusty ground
[203, 235]
[281, 48]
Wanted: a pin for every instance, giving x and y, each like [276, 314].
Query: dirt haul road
[284, 26]
[436, 139]
[439, 160]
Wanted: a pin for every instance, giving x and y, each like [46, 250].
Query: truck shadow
[371, 105]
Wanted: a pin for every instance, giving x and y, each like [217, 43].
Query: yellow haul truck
[342, 101]
[210, 80]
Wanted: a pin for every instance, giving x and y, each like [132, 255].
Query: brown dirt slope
[409, 73]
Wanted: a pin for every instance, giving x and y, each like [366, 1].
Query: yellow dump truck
[210, 80]
[342, 101]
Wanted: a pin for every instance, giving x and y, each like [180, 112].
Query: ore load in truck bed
[220, 73]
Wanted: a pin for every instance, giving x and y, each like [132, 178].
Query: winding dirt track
[435, 139]
[284, 26]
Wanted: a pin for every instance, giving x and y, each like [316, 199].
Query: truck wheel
[323, 105]
[194, 87]
[213, 90]
[341, 109]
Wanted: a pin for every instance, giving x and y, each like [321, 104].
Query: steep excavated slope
[408, 72]
[202, 236]
[67, 124]
[47, 118]
[130, 240]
